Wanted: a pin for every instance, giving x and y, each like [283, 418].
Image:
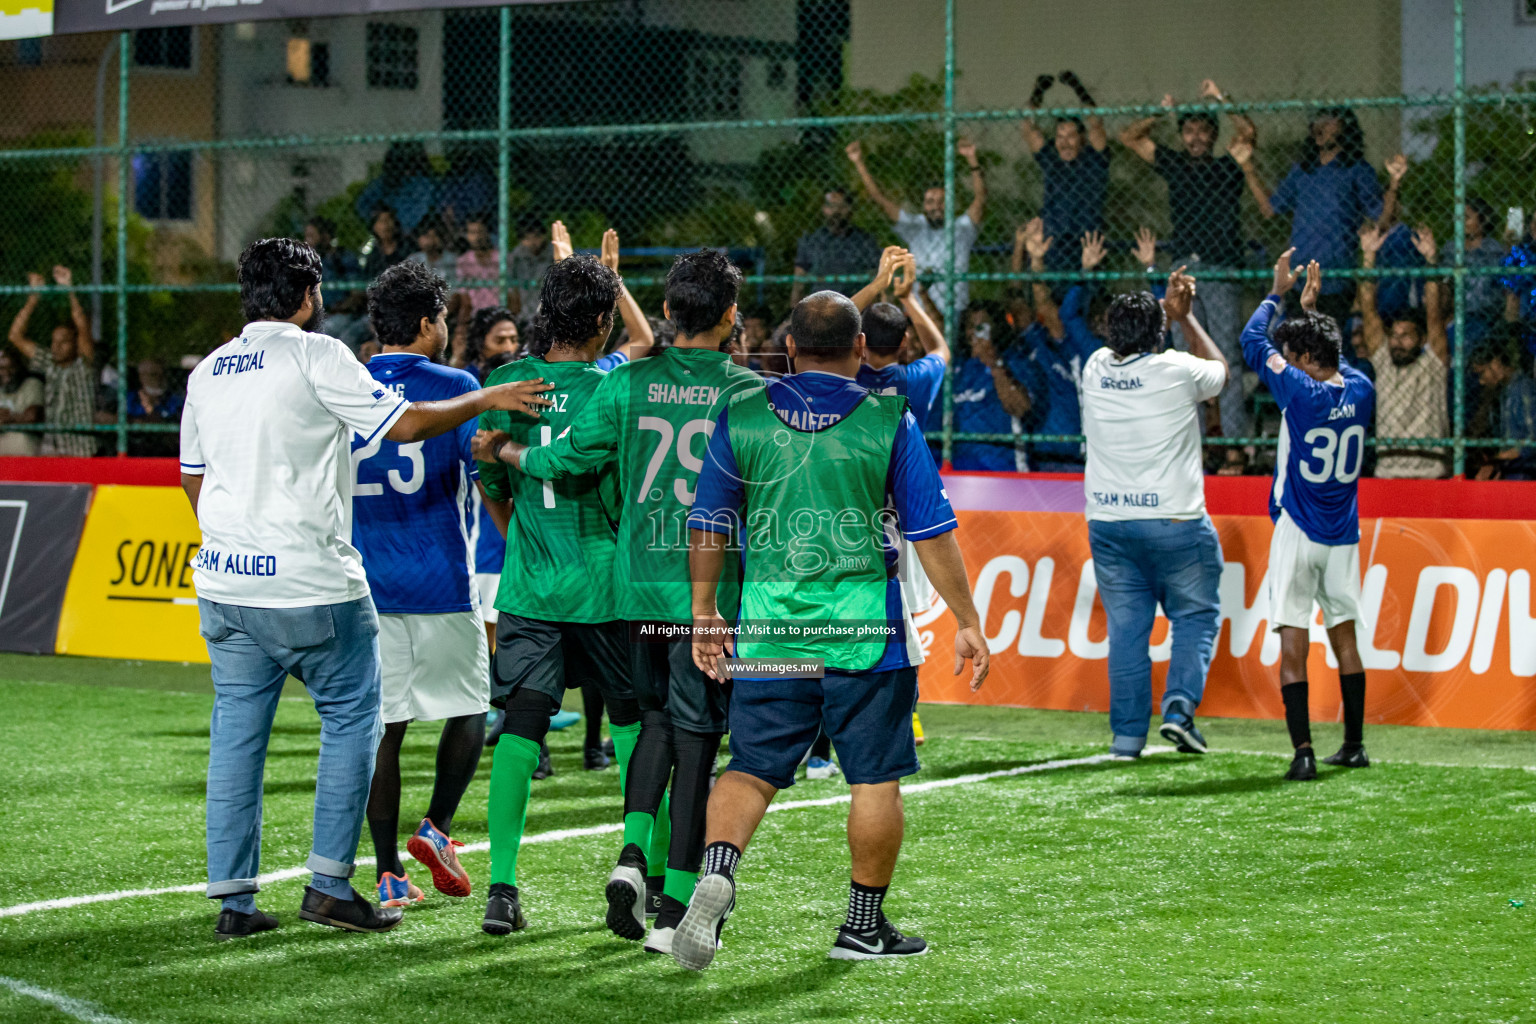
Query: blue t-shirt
[490, 545]
[1053, 373]
[912, 482]
[411, 505]
[1330, 202]
[1322, 445]
[612, 359]
[978, 410]
[919, 382]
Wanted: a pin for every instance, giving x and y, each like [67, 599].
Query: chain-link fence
[1111, 144]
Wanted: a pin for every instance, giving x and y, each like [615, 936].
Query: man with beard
[837, 247]
[1411, 359]
[925, 234]
[265, 462]
[1074, 170]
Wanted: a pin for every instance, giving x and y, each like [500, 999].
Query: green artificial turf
[1171, 889]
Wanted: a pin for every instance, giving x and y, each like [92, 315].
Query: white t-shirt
[929, 245]
[1139, 415]
[268, 425]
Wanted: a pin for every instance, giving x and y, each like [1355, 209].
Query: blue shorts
[868, 717]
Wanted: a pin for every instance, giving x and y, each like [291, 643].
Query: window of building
[162, 185]
[308, 63]
[1525, 11]
[714, 85]
[392, 55]
[169, 48]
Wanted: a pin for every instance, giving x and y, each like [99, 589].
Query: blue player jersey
[919, 382]
[1322, 441]
[411, 504]
[490, 545]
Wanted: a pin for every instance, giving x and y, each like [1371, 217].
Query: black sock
[592, 707]
[721, 859]
[1352, 689]
[695, 756]
[384, 801]
[1295, 697]
[864, 914]
[650, 766]
[822, 748]
[458, 755]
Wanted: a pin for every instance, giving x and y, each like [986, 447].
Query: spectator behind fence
[479, 262]
[1076, 176]
[1484, 295]
[1512, 393]
[837, 247]
[1330, 193]
[528, 261]
[1056, 348]
[1204, 190]
[988, 399]
[1520, 298]
[153, 401]
[69, 384]
[432, 248]
[387, 247]
[1411, 356]
[1152, 541]
[925, 235]
[338, 264]
[406, 184]
[21, 401]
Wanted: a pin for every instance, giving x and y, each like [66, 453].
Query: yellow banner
[130, 592]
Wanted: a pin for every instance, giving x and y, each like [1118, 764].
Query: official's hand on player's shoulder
[971, 646]
[524, 396]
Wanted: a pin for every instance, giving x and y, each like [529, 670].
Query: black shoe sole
[309, 915]
[621, 914]
[1175, 733]
[496, 926]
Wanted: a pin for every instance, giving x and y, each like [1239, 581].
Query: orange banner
[1448, 636]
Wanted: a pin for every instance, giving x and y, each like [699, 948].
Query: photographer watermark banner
[121, 15]
[24, 19]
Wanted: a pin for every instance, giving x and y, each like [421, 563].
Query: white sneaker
[660, 940]
[698, 935]
[821, 768]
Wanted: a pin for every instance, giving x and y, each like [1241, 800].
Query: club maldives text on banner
[130, 593]
[1448, 637]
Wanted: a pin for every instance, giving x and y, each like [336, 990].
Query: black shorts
[552, 657]
[666, 679]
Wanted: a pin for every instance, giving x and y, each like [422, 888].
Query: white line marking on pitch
[64, 1004]
[558, 835]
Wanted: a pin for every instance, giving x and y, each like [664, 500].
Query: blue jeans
[334, 651]
[1139, 564]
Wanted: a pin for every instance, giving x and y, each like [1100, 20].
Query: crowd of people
[1017, 360]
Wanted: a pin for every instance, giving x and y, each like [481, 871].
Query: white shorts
[486, 583]
[1302, 571]
[434, 666]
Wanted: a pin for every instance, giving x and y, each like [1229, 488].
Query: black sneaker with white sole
[1350, 755]
[1179, 729]
[697, 936]
[885, 941]
[503, 911]
[664, 928]
[626, 895]
[1303, 766]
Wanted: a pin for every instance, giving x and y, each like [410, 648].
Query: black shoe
[353, 915]
[594, 760]
[653, 886]
[546, 767]
[503, 911]
[884, 941]
[233, 924]
[626, 895]
[494, 730]
[608, 747]
[1179, 728]
[1350, 755]
[664, 928]
[1303, 766]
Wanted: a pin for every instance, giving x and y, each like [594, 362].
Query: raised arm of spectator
[85, 344]
[1241, 150]
[904, 283]
[641, 338]
[1037, 243]
[1137, 136]
[1145, 251]
[1098, 138]
[855, 151]
[1397, 166]
[1033, 137]
[1434, 305]
[967, 150]
[870, 293]
[18, 333]
[1010, 394]
[1373, 332]
[1242, 124]
[1179, 303]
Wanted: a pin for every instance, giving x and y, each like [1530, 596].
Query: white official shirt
[268, 425]
[1140, 418]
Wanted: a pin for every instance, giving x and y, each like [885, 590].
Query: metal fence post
[503, 150]
[951, 317]
[1459, 269]
[124, 160]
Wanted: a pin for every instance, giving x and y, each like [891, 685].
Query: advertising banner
[121, 15]
[1448, 636]
[130, 593]
[40, 528]
[23, 19]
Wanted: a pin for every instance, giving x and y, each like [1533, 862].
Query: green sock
[680, 885]
[661, 838]
[624, 739]
[511, 781]
[637, 829]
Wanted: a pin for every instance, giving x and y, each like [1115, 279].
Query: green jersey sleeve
[590, 443]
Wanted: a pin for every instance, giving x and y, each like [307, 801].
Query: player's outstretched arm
[945, 566]
[928, 334]
[590, 441]
[706, 560]
[429, 419]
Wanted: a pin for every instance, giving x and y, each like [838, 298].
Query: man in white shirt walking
[265, 461]
[1153, 544]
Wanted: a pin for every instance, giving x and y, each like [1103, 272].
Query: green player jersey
[652, 418]
[561, 540]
